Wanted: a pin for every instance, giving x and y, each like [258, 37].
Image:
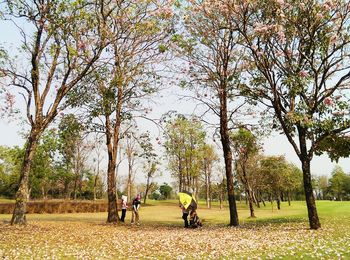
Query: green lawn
[273, 234]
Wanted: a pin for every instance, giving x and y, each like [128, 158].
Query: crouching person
[194, 220]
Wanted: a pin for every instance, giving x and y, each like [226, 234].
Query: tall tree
[61, 41]
[151, 162]
[184, 139]
[208, 157]
[74, 148]
[298, 64]
[138, 31]
[209, 45]
[245, 147]
[338, 183]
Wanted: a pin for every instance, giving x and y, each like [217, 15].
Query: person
[194, 220]
[124, 207]
[135, 210]
[184, 215]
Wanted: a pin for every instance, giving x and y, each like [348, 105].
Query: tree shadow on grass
[276, 222]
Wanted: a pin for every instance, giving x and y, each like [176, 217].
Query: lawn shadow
[277, 222]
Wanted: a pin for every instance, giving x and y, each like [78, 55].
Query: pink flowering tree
[128, 75]
[61, 40]
[208, 44]
[299, 56]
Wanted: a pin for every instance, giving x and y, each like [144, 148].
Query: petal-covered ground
[73, 240]
[274, 234]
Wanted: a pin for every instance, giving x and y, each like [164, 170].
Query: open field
[280, 234]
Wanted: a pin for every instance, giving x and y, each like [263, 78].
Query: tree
[43, 165]
[210, 46]
[298, 67]
[322, 184]
[184, 140]
[245, 147]
[338, 183]
[209, 157]
[10, 165]
[150, 163]
[292, 180]
[59, 48]
[165, 190]
[273, 171]
[98, 159]
[74, 148]
[138, 31]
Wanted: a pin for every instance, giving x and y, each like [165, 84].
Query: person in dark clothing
[194, 220]
[124, 207]
[135, 210]
[184, 215]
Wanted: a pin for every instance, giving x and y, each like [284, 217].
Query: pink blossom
[303, 74]
[333, 39]
[328, 101]
[279, 54]
[260, 28]
[289, 53]
[10, 99]
[319, 16]
[281, 36]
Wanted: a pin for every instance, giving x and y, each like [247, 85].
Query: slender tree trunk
[256, 201]
[207, 195]
[75, 186]
[225, 141]
[262, 199]
[111, 181]
[278, 199]
[251, 207]
[309, 196]
[289, 198]
[19, 213]
[248, 190]
[147, 188]
[129, 180]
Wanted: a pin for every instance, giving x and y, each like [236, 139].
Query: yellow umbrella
[187, 199]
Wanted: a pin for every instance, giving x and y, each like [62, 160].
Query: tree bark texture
[225, 141]
[19, 213]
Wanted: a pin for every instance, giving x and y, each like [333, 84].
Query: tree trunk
[19, 212]
[309, 196]
[256, 200]
[147, 189]
[75, 186]
[111, 181]
[288, 198]
[248, 189]
[207, 186]
[278, 202]
[262, 199]
[225, 141]
[129, 182]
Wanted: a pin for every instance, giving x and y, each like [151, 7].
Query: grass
[3, 200]
[273, 234]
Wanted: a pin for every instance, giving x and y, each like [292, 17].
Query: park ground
[274, 234]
